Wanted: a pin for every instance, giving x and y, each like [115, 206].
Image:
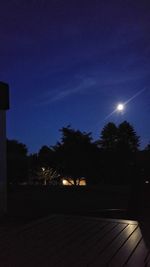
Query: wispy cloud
[100, 81]
[68, 91]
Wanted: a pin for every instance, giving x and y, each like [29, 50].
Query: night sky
[71, 62]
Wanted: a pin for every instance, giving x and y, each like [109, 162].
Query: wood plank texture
[64, 241]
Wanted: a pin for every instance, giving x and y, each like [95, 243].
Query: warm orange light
[65, 182]
[82, 182]
[69, 182]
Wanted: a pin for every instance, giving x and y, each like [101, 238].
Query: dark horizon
[140, 148]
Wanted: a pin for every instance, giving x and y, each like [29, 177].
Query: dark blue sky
[71, 62]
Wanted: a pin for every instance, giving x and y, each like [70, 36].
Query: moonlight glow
[120, 107]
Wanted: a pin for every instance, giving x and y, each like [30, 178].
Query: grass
[27, 201]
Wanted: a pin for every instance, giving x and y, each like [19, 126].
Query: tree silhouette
[46, 156]
[128, 143]
[143, 163]
[114, 158]
[119, 145]
[76, 155]
[109, 137]
[147, 148]
[33, 166]
[127, 138]
[17, 162]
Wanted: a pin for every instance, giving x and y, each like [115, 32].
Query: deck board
[63, 241]
[114, 246]
[139, 255]
[127, 249]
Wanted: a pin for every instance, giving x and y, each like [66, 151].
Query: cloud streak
[56, 96]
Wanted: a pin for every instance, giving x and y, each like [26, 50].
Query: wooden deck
[75, 241]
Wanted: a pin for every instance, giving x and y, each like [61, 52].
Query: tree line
[114, 158]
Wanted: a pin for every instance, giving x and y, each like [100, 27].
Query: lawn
[44, 200]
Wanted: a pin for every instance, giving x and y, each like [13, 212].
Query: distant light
[146, 182]
[82, 182]
[120, 107]
[70, 182]
[65, 182]
[43, 169]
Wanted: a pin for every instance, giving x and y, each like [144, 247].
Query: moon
[120, 107]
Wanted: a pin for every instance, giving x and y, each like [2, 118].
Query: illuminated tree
[48, 175]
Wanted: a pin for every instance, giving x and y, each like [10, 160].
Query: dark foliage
[119, 146]
[17, 162]
[113, 159]
[77, 156]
